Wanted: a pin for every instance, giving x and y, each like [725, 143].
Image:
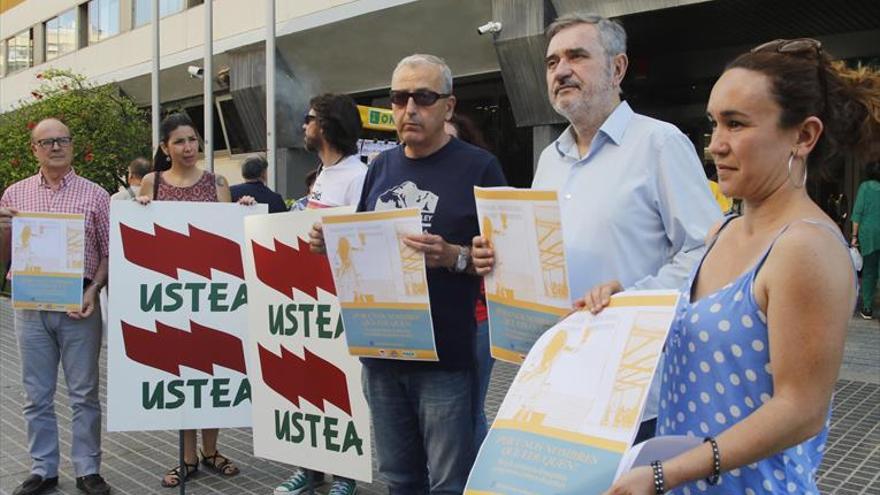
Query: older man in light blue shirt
[635, 202]
[635, 208]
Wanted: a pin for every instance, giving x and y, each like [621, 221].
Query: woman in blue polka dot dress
[755, 349]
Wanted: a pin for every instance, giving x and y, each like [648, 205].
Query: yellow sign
[380, 119]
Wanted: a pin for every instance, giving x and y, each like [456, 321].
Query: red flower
[31, 125]
[15, 163]
[36, 95]
[65, 87]
[39, 75]
[89, 156]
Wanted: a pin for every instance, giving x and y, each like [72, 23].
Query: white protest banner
[178, 316]
[574, 407]
[308, 406]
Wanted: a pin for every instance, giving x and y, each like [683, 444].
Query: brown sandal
[174, 474]
[218, 463]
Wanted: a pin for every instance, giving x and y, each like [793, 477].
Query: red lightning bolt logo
[168, 251]
[169, 348]
[287, 268]
[311, 378]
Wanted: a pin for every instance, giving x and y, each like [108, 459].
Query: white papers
[47, 261]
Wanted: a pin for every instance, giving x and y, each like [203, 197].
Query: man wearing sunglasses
[422, 411]
[634, 199]
[46, 338]
[331, 129]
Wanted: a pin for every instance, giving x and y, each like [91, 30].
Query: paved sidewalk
[133, 462]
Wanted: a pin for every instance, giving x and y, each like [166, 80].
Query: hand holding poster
[178, 316]
[382, 284]
[574, 406]
[308, 406]
[527, 291]
[47, 261]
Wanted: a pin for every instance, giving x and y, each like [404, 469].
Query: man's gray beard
[573, 109]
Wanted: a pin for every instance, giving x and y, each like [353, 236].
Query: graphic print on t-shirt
[408, 195]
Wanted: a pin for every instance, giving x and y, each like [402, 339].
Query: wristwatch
[461, 262]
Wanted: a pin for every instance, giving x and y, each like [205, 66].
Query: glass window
[61, 34]
[143, 10]
[19, 51]
[103, 19]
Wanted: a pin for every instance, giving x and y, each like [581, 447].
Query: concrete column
[542, 136]
[82, 26]
[126, 15]
[39, 40]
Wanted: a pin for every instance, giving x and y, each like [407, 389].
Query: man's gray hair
[612, 36]
[420, 59]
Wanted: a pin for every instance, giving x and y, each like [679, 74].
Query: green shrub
[108, 129]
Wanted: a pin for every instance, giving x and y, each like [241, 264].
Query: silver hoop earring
[804, 182]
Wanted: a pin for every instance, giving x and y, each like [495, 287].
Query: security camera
[493, 27]
[195, 72]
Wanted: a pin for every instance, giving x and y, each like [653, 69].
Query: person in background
[331, 129]
[137, 169]
[177, 178]
[254, 170]
[462, 127]
[303, 202]
[757, 341]
[866, 235]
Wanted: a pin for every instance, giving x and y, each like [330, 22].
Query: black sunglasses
[308, 118]
[421, 97]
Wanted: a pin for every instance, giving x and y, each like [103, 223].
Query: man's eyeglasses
[308, 118]
[421, 97]
[49, 143]
[793, 47]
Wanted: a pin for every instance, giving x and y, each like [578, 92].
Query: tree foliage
[108, 128]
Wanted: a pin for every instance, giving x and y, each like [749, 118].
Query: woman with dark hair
[866, 235]
[757, 342]
[177, 178]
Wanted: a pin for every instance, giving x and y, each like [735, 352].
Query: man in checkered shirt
[46, 338]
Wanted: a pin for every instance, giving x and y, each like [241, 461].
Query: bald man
[73, 339]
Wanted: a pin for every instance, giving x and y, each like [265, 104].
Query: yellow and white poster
[527, 291]
[308, 406]
[575, 405]
[381, 284]
[47, 261]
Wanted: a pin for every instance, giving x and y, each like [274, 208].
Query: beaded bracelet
[659, 480]
[716, 462]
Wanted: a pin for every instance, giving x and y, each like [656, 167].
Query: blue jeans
[44, 339]
[424, 428]
[483, 372]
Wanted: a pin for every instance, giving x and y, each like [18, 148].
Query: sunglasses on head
[421, 97]
[793, 47]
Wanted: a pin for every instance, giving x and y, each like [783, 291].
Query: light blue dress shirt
[635, 209]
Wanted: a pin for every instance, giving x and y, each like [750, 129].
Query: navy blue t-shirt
[442, 185]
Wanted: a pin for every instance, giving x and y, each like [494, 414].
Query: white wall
[236, 23]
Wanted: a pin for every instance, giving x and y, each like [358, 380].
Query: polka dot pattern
[717, 372]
